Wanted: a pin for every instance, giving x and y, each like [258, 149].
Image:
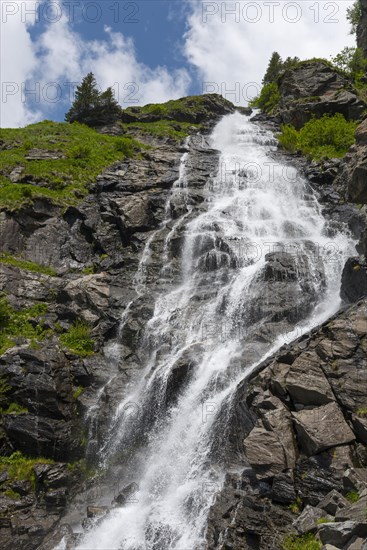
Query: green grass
[307, 542]
[27, 266]
[14, 408]
[361, 412]
[14, 495]
[78, 339]
[161, 128]
[352, 496]
[191, 108]
[16, 324]
[65, 180]
[20, 468]
[322, 138]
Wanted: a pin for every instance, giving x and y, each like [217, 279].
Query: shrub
[268, 99]
[352, 496]
[78, 339]
[125, 146]
[325, 137]
[81, 152]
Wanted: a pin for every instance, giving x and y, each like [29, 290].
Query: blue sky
[152, 51]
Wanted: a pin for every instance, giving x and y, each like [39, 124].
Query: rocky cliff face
[315, 88]
[92, 252]
[300, 428]
[301, 424]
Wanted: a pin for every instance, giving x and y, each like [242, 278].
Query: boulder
[355, 512]
[338, 533]
[307, 521]
[306, 382]
[320, 428]
[333, 502]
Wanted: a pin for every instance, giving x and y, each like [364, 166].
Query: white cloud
[18, 60]
[60, 55]
[227, 48]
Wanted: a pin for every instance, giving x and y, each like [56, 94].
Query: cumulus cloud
[230, 43]
[59, 57]
[18, 60]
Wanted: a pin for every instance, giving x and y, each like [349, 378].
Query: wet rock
[320, 428]
[127, 495]
[179, 374]
[354, 280]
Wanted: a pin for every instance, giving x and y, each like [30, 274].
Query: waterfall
[259, 266]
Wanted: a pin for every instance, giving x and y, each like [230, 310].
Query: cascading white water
[253, 207]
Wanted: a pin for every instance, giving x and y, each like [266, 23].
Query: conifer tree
[274, 69]
[87, 99]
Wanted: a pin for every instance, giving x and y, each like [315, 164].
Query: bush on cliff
[325, 137]
[268, 99]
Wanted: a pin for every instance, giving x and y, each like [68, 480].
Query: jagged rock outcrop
[315, 88]
[306, 451]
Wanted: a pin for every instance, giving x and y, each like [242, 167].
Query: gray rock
[306, 382]
[307, 521]
[314, 88]
[354, 512]
[337, 534]
[333, 502]
[320, 428]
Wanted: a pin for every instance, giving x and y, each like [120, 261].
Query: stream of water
[213, 327]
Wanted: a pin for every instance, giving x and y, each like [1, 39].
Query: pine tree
[290, 62]
[87, 99]
[274, 69]
[110, 108]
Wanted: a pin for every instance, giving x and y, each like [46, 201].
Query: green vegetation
[295, 507]
[92, 107]
[20, 467]
[14, 495]
[78, 392]
[161, 128]
[351, 61]
[14, 408]
[28, 266]
[307, 542]
[192, 109]
[326, 137]
[361, 412]
[78, 339]
[277, 66]
[84, 153]
[268, 99]
[354, 14]
[352, 496]
[26, 323]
